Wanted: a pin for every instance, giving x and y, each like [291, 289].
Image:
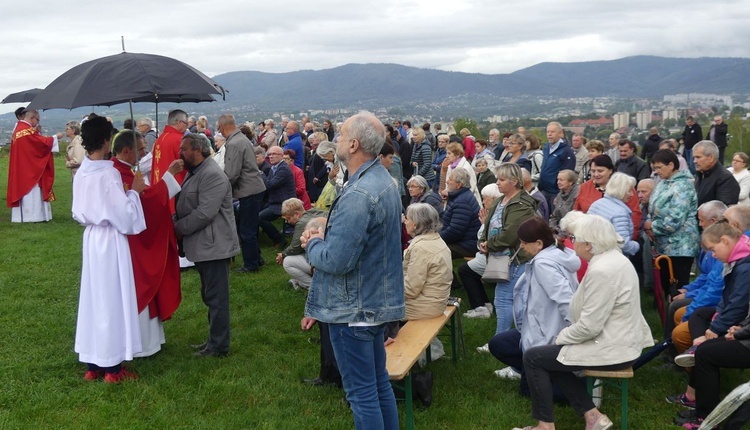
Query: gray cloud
[484, 36]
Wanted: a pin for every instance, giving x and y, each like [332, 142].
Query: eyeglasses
[572, 238]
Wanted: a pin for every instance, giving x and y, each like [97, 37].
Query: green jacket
[520, 208]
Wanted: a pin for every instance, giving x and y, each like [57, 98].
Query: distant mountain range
[370, 85]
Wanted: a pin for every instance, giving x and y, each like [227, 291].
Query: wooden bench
[617, 379]
[413, 339]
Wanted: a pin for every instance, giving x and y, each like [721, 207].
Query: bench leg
[624, 403]
[409, 402]
[454, 341]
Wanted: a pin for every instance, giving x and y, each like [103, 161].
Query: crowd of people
[575, 223]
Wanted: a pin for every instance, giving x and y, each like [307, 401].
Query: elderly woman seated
[427, 269]
[461, 216]
[420, 192]
[608, 331]
[567, 182]
[427, 264]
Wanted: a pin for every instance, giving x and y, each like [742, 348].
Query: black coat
[720, 136]
[717, 183]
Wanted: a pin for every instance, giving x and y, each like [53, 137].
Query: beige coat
[608, 327]
[427, 276]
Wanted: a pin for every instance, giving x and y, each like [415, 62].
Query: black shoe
[685, 416]
[199, 346]
[205, 352]
[246, 270]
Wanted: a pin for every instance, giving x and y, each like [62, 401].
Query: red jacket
[300, 186]
[588, 194]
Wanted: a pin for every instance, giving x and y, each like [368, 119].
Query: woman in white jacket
[608, 331]
[739, 170]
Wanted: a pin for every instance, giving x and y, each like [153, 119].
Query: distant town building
[643, 119]
[670, 113]
[621, 120]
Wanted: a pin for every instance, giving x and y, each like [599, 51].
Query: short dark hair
[95, 133]
[689, 118]
[124, 140]
[426, 126]
[534, 229]
[291, 153]
[407, 122]
[666, 156]
[19, 112]
[199, 141]
[630, 143]
[128, 124]
[603, 161]
[387, 149]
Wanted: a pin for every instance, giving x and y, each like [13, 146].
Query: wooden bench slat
[623, 373]
[413, 338]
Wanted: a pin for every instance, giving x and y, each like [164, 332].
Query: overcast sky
[45, 38]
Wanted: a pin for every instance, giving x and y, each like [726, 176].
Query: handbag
[498, 267]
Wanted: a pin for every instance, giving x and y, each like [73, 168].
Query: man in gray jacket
[242, 170]
[204, 220]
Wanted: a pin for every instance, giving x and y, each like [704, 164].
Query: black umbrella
[122, 78]
[22, 96]
[126, 78]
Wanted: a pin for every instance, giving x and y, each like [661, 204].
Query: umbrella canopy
[126, 77]
[22, 96]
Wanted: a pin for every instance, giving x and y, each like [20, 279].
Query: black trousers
[474, 286]
[681, 266]
[710, 356]
[329, 370]
[214, 276]
[543, 369]
[700, 320]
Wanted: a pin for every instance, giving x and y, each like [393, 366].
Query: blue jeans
[247, 230]
[360, 355]
[504, 298]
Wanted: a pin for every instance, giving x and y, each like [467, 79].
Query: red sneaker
[122, 375]
[93, 375]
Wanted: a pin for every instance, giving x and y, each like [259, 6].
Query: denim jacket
[358, 267]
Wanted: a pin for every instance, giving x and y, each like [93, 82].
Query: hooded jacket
[542, 295]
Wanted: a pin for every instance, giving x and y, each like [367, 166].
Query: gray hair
[369, 131]
[259, 150]
[741, 215]
[491, 190]
[175, 116]
[75, 127]
[418, 181]
[708, 148]
[596, 231]
[291, 206]
[199, 141]
[462, 176]
[512, 172]
[713, 209]
[425, 218]
[619, 185]
[325, 147]
[227, 119]
[146, 121]
[569, 175]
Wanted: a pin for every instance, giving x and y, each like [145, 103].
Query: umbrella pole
[135, 141]
[157, 117]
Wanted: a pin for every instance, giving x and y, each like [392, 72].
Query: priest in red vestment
[167, 147]
[154, 251]
[31, 171]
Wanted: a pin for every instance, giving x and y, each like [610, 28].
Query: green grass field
[258, 386]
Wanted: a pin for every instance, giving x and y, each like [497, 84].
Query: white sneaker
[508, 373]
[484, 348]
[294, 284]
[480, 312]
[596, 393]
[489, 307]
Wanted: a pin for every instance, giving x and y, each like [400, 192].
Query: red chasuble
[156, 265]
[166, 149]
[31, 164]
